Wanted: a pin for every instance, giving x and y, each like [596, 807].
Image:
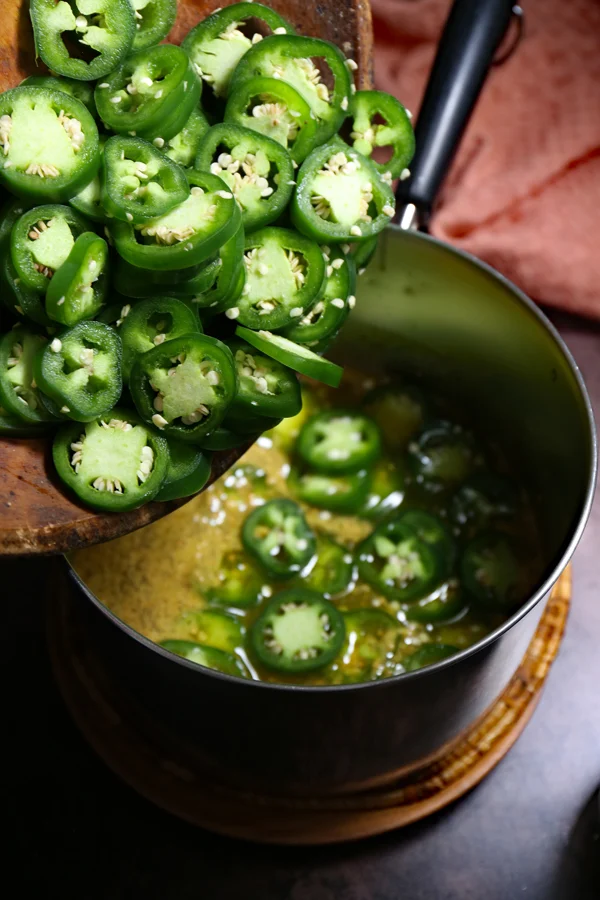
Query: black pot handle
[472, 34]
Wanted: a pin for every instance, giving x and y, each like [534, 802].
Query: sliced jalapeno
[13, 426]
[112, 464]
[442, 605]
[395, 131]
[386, 490]
[184, 386]
[217, 44]
[153, 21]
[275, 109]
[152, 94]
[140, 183]
[150, 323]
[57, 167]
[208, 657]
[491, 572]
[284, 274]
[371, 639]
[89, 200]
[257, 169]
[339, 441]
[295, 356]
[19, 394]
[41, 241]
[394, 561]
[214, 628]
[106, 30]
[248, 423]
[239, 583]
[326, 317]
[483, 499]
[81, 370]
[77, 289]
[299, 631]
[11, 211]
[131, 281]
[231, 278]
[431, 530]
[428, 655]
[19, 299]
[400, 412]
[340, 196]
[442, 456]
[333, 570]
[81, 90]
[338, 493]
[187, 472]
[363, 253]
[183, 147]
[278, 536]
[290, 58]
[223, 438]
[189, 234]
[265, 387]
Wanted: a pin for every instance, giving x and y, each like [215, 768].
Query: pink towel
[524, 191]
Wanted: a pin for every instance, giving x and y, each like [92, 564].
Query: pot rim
[576, 532]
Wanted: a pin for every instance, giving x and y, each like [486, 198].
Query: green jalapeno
[187, 472]
[248, 423]
[299, 631]
[444, 603]
[41, 241]
[428, 655]
[106, 29]
[151, 95]
[256, 169]
[153, 21]
[150, 324]
[189, 234]
[140, 183]
[400, 412]
[112, 464]
[89, 200]
[491, 572]
[396, 562]
[81, 90]
[12, 426]
[386, 490]
[77, 289]
[184, 386]
[273, 108]
[363, 253]
[340, 196]
[295, 356]
[284, 274]
[338, 441]
[223, 438]
[338, 493]
[278, 536]
[215, 628]
[231, 278]
[217, 44]
[483, 499]
[395, 131]
[60, 165]
[19, 299]
[431, 531]
[19, 393]
[290, 58]
[11, 211]
[239, 584]
[333, 570]
[182, 148]
[371, 639]
[265, 387]
[209, 657]
[132, 281]
[442, 456]
[81, 370]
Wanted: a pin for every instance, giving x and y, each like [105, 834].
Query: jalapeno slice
[295, 356]
[394, 561]
[442, 456]
[140, 183]
[132, 281]
[484, 499]
[491, 572]
[153, 21]
[371, 639]
[400, 412]
[214, 628]
[333, 570]
[223, 438]
[326, 317]
[217, 44]
[428, 655]
[284, 274]
[150, 324]
[112, 464]
[81, 370]
[89, 200]
[41, 241]
[395, 131]
[386, 490]
[431, 530]
[187, 472]
[239, 584]
[81, 90]
[290, 58]
[77, 289]
[265, 387]
[338, 493]
[184, 386]
[299, 631]
[152, 94]
[19, 394]
[338, 441]
[230, 280]
[189, 234]
[12, 426]
[256, 169]
[11, 211]
[183, 147]
[442, 605]
[278, 536]
[19, 299]
[340, 196]
[105, 29]
[57, 167]
[363, 253]
[209, 657]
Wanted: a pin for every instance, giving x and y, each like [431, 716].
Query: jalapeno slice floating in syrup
[209, 657]
[265, 387]
[396, 562]
[77, 289]
[278, 535]
[339, 441]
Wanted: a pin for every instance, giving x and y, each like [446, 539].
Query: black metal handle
[471, 36]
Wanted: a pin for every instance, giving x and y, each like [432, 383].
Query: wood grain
[36, 516]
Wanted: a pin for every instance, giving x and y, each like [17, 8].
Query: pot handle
[472, 34]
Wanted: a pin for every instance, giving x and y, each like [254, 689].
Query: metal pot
[426, 308]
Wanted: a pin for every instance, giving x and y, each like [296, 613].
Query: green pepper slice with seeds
[444, 604]
[114, 463]
[231, 278]
[41, 241]
[338, 493]
[338, 441]
[187, 472]
[299, 631]
[185, 386]
[333, 570]
[394, 561]
[215, 628]
[88, 201]
[273, 108]
[152, 95]
[371, 639]
[77, 289]
[208, 657]
[56, 167]
[386, 490]
[284, 274]
[81, 370]
[256, 169]
[140, 183]
[17, 297]
[153, 21]
[295, 356]
[141, 284]
[278, 536]
[430, 529]
[151, 323]
[239, 584]
[81, 90]
[265, 387]
[182, 148]
[395, 131]
[19, 394]
[189, 234]
[217, 44]
[290, 59]
[340, 196]
[491, 572]
[428, 655]
[105, 28]
[442, 456]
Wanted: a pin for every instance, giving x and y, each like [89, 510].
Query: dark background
[531, 830]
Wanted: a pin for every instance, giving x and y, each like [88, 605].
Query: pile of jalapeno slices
[183, 237]
[447, 551]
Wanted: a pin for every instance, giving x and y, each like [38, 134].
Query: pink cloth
[524, 191]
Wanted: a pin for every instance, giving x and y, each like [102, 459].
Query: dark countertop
[530, 830]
